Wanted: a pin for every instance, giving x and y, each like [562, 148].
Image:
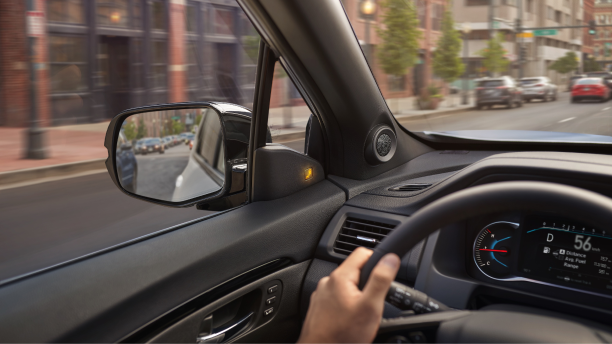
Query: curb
[61, 170]
[289, 137]
[422, 116]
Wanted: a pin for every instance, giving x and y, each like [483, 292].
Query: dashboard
[541, 260]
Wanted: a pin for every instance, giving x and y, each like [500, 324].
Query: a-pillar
[176, 40]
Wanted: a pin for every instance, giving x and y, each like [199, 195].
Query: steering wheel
[498, 323]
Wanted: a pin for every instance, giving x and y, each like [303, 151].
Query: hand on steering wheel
[340, 312]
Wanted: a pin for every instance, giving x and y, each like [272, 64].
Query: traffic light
[592, 27]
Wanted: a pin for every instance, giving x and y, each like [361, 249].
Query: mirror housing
[235, 123]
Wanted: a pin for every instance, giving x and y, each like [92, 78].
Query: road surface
[47, 223]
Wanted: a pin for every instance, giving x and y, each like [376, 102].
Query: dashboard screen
[566, 253]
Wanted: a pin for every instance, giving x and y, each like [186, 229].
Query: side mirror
[206, 166]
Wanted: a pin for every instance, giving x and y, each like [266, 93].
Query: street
[559, 115]
[48, 223]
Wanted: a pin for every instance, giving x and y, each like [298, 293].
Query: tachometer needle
[490, 250]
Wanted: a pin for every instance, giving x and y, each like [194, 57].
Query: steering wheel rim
[490, 198]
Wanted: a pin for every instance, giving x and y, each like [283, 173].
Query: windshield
[449, 49]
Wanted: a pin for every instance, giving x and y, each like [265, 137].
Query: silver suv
[498, 91]
[538, 88]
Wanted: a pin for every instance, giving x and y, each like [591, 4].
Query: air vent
[410, 187]
[357, 232]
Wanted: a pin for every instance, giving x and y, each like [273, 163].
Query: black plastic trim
[164, 321]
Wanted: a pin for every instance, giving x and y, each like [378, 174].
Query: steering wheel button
[417, 337]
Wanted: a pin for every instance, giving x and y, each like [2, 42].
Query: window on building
[558, 17]
[509, 2]
[67, 64]
[477, 2]
[224, 21]
[137, 14]
[158, 15]
[566, 3]
[550, 13]
[420, 7]
[190, 18]
[65, 11]
[193, 70]
[396, 83]
[137, 65]
[159, 64]
[112, 12]
[437, 16]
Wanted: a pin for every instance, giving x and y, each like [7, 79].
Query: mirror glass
[171, 155]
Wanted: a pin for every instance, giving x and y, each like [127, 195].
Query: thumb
[381, 277]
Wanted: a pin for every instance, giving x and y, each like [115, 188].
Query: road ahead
[47, 223]
[560, 115]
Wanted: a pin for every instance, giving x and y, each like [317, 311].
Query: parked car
[154, 145]
[590, 89]
[572, 80]
[498, 91]
[139, 146]
[188, 138]
[127, 166]
[538, 88]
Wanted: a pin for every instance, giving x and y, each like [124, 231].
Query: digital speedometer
[493, 249]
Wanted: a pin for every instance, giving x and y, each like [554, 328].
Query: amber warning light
[308, 173]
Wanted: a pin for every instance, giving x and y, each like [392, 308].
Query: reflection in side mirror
[180, 154]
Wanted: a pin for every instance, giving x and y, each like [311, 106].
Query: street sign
[549, 32]
[525, 35]
[36, 23]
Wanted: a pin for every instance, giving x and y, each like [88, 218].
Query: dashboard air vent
[357, 232]
[411, 187]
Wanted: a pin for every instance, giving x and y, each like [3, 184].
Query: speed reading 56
[580, 243]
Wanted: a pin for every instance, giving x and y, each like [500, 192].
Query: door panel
[105, 298]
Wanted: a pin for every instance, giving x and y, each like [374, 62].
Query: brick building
[602, 47]
[98, 57]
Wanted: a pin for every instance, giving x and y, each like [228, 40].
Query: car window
[589, 82]
[289, 113]
[491, 83]
[530, 81]
[96, 59]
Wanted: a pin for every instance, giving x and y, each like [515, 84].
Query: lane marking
[566, 120]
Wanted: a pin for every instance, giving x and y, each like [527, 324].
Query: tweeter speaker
[381, 144]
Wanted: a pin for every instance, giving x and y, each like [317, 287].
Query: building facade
[602, 47]
[99, 57]
[542, 51]
[588, 41]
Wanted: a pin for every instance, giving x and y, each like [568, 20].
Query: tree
[142, 129]
[590, 65]
[565, 64]
[494, 55]
[399, 35]
[446, 62]
[130, 131]
[177, 127]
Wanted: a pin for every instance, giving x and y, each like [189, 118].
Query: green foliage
[251, 47]
[446, 61]
[494, 60]
[590, 65]
[142, 129]
[399, 35]
[198, 120]
[565, 64]
[178, 127]
[130, 131]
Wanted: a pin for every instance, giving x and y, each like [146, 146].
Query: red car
[590, 88]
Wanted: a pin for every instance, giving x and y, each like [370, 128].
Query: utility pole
[519, 31]
[35, 134]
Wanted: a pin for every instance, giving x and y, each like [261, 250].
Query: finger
[381, 277]
[351, 267]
